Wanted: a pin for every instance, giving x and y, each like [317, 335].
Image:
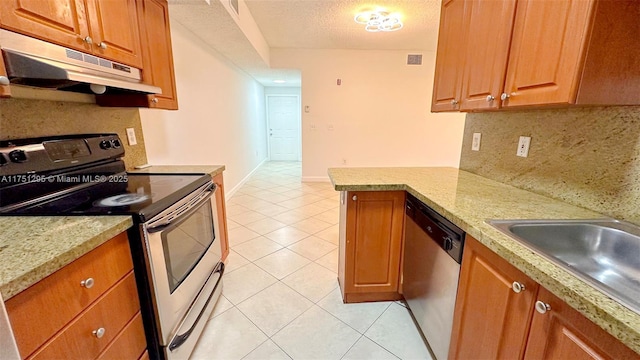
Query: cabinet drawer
[112, 312]
[129, 344]
[58, 298]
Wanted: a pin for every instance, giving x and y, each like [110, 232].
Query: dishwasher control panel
[443, 232]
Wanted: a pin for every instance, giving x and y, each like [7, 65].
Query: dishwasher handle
[446, 235]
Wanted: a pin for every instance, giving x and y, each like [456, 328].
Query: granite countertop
[468, 200]
[33, 247]
[212, 170]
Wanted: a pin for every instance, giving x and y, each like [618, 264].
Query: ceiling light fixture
[379, 20]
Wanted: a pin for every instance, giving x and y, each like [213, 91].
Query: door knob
[504, 96]
[88, 283]
[490, 98]
[88, 40]
[517, 287]
[102, 45]
[354, 198]
[4, 80]
[99, 333]
[454, 102]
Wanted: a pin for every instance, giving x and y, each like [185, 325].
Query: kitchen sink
[603, 252]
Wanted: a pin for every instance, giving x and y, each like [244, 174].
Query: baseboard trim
[230, 193]
[316, 179]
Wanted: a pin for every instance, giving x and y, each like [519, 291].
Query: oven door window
[186, 242]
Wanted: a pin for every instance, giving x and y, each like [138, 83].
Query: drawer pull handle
[88, 283]
[517, 287]
[99, 333]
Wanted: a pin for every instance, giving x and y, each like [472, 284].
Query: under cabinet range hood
[37, 63]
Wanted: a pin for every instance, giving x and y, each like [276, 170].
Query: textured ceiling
[329, 24]
[304, 24]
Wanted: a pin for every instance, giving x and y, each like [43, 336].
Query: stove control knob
[115, 143]
[104, 144]
[18, 156]
[3, 160]
[448, 244]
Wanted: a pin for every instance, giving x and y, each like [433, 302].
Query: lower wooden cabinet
[221, 209]
[497, 318]
[371, 235]
[87, 309]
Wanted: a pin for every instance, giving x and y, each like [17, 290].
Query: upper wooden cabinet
[157, 59]
[450, 56]
[105, 28]
[371, 234]
[503, 314]
[533, 53]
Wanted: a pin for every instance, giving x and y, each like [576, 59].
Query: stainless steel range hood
[38, 63]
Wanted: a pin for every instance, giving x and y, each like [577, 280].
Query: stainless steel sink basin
[605, 253]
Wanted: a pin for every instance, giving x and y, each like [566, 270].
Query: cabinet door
[59, 21]
[548, 44]
[114, 29]
[4, 89]
[491, 320]
[374, 229]
[449, 56]
[157, 54]
[563, 333]
[489, 35]
[221, 209]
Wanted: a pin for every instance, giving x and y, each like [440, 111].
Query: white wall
[282, 90]
[221, 119]
[380, 114]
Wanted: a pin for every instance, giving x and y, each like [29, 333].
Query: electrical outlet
[523, 146]
[475, 144]
[344, 161]
[131, 136]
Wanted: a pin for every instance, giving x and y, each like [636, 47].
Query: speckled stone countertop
[468, 200]
[213, 170]
[33, 247]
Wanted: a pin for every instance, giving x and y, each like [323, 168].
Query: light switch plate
[523, 146]
[475, 144]
[131, 136]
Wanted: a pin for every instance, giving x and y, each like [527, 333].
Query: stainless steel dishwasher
[432, 256]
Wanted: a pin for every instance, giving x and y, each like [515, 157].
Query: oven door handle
[180, 339]
[182, 209]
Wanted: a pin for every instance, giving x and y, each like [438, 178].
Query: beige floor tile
[309, 336]
[245, 282]
[222, 305]
[274, 307]
[290, 217]
[232, 224]
[395, 331]
[265, 226]
[365, 349]
[241, 234]
[312, 281]
[254, 249]
[311, 209]
[234, 261]
[287, 235]
[329, 261]
[282, 263]
[359, 316]
[247, 217]
[330, 234]
[239, 336]
[272, 210]
[267, 351]
[312, 247]
[311, 225]
[235, 209]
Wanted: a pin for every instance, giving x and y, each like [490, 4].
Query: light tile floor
[280, 298]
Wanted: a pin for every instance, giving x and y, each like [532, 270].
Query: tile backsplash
[588, 157]
[24, 118]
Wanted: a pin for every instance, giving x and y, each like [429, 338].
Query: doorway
[283, 131]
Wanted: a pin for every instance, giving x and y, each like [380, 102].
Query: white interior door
[283, 114]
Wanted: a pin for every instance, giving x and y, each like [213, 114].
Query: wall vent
[414, 59]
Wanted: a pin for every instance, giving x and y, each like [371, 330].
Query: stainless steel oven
[175, 241]
[184, 256]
